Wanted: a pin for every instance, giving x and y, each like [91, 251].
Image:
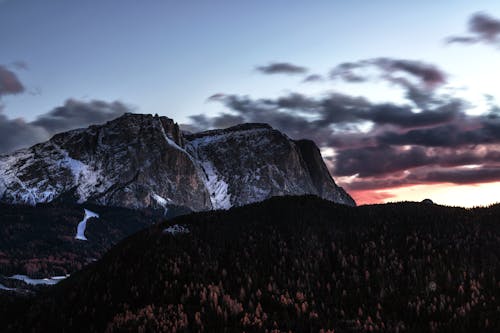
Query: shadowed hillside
[39, 241]
[297, 264]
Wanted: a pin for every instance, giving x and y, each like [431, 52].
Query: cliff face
[320, 176]
[134, 161]
[252, 162]
[140, 161]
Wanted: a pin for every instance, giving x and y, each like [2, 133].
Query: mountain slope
[291, 263]
[133, 161]
[144, 161]
[40, 241]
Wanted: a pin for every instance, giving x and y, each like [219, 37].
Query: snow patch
[10, 166]
[47, 281]
[2, 287]
[176, 229]
[162, 202]
[83, 175]
[80, 230]
[216, 186]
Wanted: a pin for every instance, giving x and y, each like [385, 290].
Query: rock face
[320, 176]
[140, 161]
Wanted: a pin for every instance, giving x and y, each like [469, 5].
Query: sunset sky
[402, 97]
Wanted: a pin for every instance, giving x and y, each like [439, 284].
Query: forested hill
[297, 264]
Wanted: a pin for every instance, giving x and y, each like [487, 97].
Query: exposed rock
[320, 176]
[140, 161]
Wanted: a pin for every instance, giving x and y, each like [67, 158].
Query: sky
[400, 96]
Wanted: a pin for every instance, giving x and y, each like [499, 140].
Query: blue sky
[168, 57]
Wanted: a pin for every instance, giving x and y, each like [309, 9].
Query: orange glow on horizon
[469, 195]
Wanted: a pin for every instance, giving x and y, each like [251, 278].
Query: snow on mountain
[162, 202]
[176, 229]
[2, 287]
[46, 281]
[139, 161]
[252, 162]
[80, 230]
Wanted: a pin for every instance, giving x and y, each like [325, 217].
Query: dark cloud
[363, 184]
[427, 75]
[228, 120]
[378, 166]
[472, 130]
[216, 97]
[417, 78]
[382, 145]
[9, 82]
[462, 40]
[332, 109]
[75, 114]
[347, 72]
[465, 176]
[483, 28]
[399, 142]
[465, 166]
[404, 117]
[313, 78]
[17, 133]
[281, 68]
[381, 160]
[440, 136]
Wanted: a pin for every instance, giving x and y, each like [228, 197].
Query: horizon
[402, 104]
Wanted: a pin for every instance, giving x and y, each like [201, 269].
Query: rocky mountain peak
[141, 160]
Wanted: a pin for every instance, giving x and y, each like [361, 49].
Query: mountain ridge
[145, 161]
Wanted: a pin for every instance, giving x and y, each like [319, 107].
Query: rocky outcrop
[320, 176]
[253, 162]
[140, 161]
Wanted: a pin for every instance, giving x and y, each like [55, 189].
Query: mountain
[299, 264]
[144, 161]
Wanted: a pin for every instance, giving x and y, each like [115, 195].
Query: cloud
[427, 75]
[75, 114]
[381, 145]
[428, 139]
[465, 176]
[380, 160]
[9, 82]
[347, 71]
[419, 79]
[313, 78]
[462, 40]
[17, 133]
[469, 130]
[298, 114]
[281, 68]
[482, 28]
[414, 163]
[216, 97]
